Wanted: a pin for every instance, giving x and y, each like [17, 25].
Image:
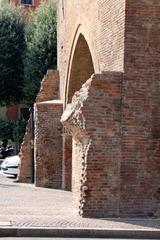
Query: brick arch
[80, 68]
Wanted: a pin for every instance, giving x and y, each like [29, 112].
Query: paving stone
[23, 205]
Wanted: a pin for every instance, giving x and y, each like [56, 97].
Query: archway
[80, 71]
[81, 67]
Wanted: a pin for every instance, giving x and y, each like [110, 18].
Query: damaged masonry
[98, 116]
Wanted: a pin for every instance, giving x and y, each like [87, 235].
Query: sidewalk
[29, 211]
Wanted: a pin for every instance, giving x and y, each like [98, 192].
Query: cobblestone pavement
[23, 205]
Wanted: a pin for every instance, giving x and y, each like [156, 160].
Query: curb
[79, 232]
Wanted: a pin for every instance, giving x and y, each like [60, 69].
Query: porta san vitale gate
[99, 134]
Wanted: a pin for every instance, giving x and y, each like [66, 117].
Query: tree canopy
[41, 52]
[12, 46]
[12, 130]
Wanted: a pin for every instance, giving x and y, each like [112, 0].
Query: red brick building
[27, 4]
[108, 153]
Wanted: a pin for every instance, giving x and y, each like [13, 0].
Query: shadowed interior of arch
[81, 70]
[82, 67]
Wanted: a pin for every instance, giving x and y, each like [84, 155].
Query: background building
[27, 4]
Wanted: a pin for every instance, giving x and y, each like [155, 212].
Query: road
[68, 239]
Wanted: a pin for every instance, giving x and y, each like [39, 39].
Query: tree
[2, 2]
[12, 46]
[41, 53]
[12, 130]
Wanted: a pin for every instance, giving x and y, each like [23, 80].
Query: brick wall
[121, 36]
[67, 162]
[140, 174]
[26, 173]
[96, 153]
[49, 90]
[48, 133]
[104, 155]
[101, 22]
[48, 144]
[114, 119]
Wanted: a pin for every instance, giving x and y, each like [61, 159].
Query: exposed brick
[48, 144]
[49, 90]
[101, 22]
[96, 147]
[121, 36]
[140, 173]
[26, 154]
[67, 162]
[49, 87]
[112, 164]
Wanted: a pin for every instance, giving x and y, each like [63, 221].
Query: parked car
[10, 165]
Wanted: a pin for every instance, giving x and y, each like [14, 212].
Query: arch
[81, 68]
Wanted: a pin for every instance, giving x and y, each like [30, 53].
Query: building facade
[28, 5]
[108, 152]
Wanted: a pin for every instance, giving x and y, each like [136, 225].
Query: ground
[63, 239]
[24, 205]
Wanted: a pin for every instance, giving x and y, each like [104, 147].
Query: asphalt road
[67, 239]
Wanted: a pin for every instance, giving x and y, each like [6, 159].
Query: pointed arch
[81, 67]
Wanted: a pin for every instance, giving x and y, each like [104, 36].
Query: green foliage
[2, 2]
[41, 53]
[5, 130]
[18, 131]
[12, 46]
[12, 130]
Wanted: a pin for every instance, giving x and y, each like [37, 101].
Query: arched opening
[81, 70]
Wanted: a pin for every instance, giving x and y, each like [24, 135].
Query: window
[28, 2]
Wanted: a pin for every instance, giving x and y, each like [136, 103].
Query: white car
[10, 165]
